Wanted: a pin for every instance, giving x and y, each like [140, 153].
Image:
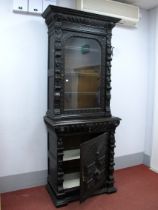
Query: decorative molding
[77, 16]
[90, 126]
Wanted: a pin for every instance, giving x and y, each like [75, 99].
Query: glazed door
[93, 166]
[82, 66]
[84, 75]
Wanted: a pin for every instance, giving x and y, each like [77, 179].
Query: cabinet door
[93, 165]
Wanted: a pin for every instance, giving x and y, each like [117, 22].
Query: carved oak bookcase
[80, 125]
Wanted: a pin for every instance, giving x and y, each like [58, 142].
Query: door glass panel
[82, 73]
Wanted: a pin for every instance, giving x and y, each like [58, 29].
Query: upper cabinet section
[79, 63]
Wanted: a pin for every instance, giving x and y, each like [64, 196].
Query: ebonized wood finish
[90, 130]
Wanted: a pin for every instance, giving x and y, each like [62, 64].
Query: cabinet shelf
[71, 154]
[79, 49]
[82, 93]
[96, 74]
[71, 180]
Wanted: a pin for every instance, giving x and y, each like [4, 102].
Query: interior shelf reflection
[84, 93]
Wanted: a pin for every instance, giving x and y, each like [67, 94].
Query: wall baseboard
[129, 160]
[39, 178]
[154, 170]
[23, 181]
[146, 160]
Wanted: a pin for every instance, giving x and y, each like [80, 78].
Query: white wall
[154, 68]
[151, 82]
[23, 84]
[129, 85]
[67, 3]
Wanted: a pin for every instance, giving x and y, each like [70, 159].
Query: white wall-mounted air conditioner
[129, 14]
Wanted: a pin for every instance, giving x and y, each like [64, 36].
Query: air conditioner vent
[129, 14]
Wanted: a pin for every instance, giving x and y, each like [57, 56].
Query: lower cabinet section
[80, 163]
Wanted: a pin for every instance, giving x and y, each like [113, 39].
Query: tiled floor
[137, 190]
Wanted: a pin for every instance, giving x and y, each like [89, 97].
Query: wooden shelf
[79, 49]
[82, 93]
[71, 180]
[71, 154]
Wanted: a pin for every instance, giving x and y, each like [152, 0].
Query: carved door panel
[93, 165]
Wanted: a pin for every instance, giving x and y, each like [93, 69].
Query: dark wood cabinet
[80, 126]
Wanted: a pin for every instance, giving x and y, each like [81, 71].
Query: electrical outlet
[35, 6]
[20, 5]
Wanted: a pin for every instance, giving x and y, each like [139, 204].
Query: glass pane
[82, 73]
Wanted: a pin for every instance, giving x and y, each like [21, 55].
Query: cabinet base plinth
[111, 190]
[62, 200]
[73, 196]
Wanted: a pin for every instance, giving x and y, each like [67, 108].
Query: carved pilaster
[108, 71]
[110, 179]
[60, 172]
[58, 67]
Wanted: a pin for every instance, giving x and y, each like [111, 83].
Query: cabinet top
[56, 10]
